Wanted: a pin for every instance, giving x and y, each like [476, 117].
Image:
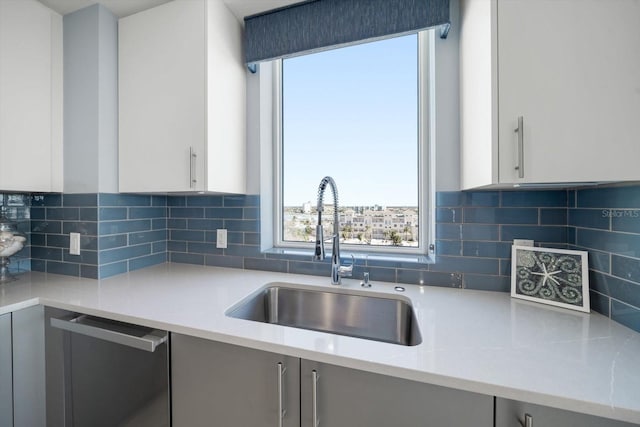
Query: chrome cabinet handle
[528, 421]
[192, 168]
[520, 131]
[281, 410]
[314, 397]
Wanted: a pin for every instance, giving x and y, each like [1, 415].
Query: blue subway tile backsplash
[474, 230]
[609, 198]
[599, 303]
[541, 234]
[626, 220]
[487, 283]
[63, 213]
[204, 248]
[553, 216]
[89, 200]
[107, 214]
[486, 249]
[129, 226]
[606, 222]
[589, 218]
[128, 200]
[622, 290]
[546, 198]
[431, 278]
[501, 215]
[224, 261]
[626, 268]
[204, 224]
[117, 233]
[609, 241]
[625, 314]
[479, 232]
[279, 266]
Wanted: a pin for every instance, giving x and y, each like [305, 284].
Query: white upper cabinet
[30, 97]
[182, 99]
[570, 69]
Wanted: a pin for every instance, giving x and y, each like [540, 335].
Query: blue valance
[321, 24]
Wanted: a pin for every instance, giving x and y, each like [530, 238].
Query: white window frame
[426, 169]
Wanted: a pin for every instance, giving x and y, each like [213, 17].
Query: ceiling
[242, 8]
[121, 8]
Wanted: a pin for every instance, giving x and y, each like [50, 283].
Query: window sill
[379, 259]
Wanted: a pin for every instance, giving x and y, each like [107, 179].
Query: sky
[351, 113]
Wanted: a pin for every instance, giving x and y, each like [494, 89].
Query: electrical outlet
[221, 238]
[522, 242]
[74, 243]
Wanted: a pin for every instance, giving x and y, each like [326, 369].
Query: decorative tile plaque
[558, 277]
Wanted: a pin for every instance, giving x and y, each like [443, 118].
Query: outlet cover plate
[221, 238]
[74, 243]
[522, 242]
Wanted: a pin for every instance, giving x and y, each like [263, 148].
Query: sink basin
[376, 318]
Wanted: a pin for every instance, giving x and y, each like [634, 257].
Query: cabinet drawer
[349, 397]
[511, 413]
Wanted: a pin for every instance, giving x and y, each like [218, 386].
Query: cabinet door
[30, 97]
[571, 69]
[510, 413]
[6, 375]
[348, 397]
[28, 367]
[162, 98]
[226, 385]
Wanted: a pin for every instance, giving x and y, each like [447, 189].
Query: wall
[474, 231]
[90, 101]
[473, 235]
[606, 222]
[119, 233]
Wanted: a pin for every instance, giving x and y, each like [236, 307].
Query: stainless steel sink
[356, 315]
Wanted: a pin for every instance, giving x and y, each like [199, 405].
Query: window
[358, 114]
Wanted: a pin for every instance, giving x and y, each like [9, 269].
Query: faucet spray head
[319, 253]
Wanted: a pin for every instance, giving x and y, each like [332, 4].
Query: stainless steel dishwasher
[102, 373]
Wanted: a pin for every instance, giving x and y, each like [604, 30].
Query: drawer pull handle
[520, 131]
[192, 168]
[314, 397]
[116, 332]
[281, 410]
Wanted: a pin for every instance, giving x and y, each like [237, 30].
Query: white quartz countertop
[478, 341]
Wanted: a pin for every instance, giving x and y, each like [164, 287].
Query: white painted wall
[448, 105]
[107, 101]
[259, 146]
[90, 101]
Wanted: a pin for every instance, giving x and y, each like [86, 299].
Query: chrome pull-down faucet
[337, 271]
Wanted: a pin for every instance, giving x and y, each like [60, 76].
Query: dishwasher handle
[139, 337]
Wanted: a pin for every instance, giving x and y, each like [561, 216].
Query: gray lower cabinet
[511, 413]
[29, 405]
[6, 372]
[215, 384]
[22, 371]
[333, 396]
